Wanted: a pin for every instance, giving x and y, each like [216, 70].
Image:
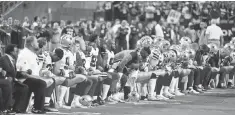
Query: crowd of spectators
[117, 26]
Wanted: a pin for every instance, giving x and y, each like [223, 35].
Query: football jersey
[110, 57]
[94, 53]
[45, 59]
[67, 60]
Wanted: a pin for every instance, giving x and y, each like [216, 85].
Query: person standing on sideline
[214, 34]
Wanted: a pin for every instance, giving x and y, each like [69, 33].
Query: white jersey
[94, 53]
[45, 59]
[66, 61]
[110, 56]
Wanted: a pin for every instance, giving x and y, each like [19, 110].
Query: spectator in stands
[55, 40]
[201, 34]
[205, 15]
[140, 27]
[26, 22]
[159, 30]
[190, 32]
[44, 22]
[10, 21]
[62, 24]
[36, 22]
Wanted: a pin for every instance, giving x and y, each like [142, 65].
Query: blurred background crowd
[141, 18]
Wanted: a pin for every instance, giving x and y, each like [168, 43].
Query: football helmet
[185, 40]
[229, 46]
[184, 47]
[155, 54]
[232, 41]
[213, 48]
[86, 100]
[176, 48]
[184, 56]
[164, 45]
[133, 97]
[191, 53]
[145, 41]
[66, 40]
[172, 55]
[224, 52]
[232, 54]
[156, 40]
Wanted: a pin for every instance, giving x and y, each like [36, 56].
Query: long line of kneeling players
[154, 71]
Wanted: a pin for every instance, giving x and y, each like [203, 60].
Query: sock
[47, 100]
[105, 91]
[166, 89]
[172, 85]
[141, 89]
[63, 91]
[176, 87]
[161, 92]
[151, 86]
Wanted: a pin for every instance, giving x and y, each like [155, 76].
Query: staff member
[28, 69]
[214, 34]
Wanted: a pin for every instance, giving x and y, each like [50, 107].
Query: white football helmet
[213, 47]
[133, 97]
[191, 53]
[185, 40]
[145, 41]
[229, 46]
[172, 56]
[86, 100]
[164, 45]
[224, 52]
[177, 48]
[66, 40]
